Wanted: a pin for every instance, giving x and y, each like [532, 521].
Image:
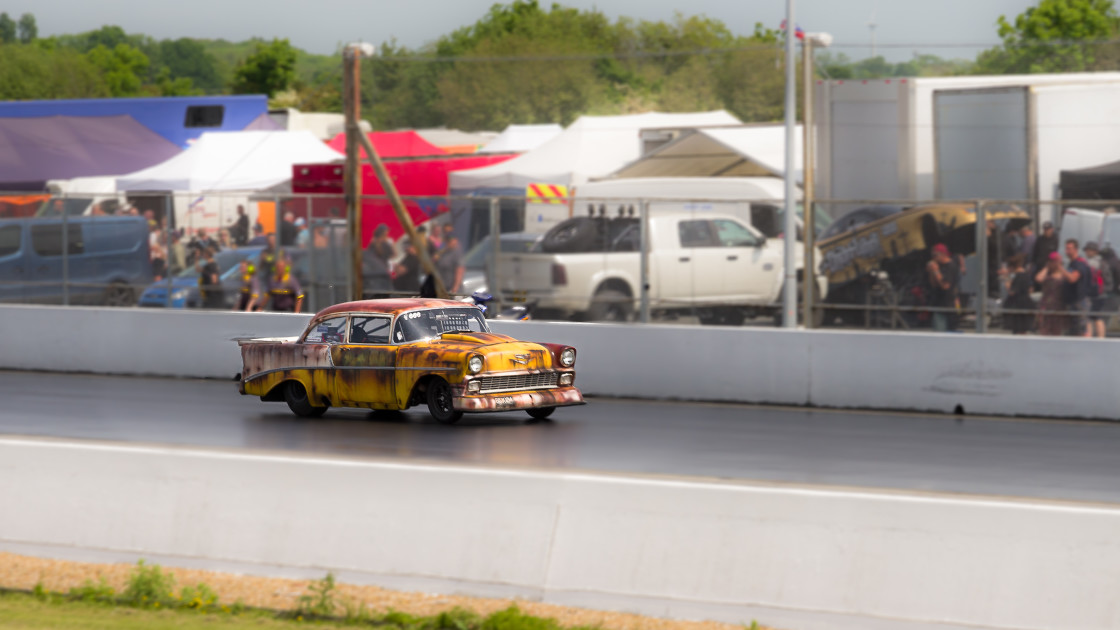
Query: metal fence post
[644, 287]
[167, 209]
[65, 253]
[495, 249]
[982, 256]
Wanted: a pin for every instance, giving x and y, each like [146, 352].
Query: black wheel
[296, 397]
[609, 305]
[540, 413]
[721, 316]
[440, 404]
[119, 294]
[577, 234]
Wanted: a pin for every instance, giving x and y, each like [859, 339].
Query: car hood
[501, 353]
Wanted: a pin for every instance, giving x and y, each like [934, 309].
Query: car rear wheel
[296, 397]
[540, 413]
[440, 404]
[119, 294]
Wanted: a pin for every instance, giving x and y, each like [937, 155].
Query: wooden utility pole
[352, 176]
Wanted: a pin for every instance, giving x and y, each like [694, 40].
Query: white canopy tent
[522, 138]
[591, 147]
[232, 160]
[743, 151]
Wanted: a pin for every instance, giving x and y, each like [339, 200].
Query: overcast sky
[903, 27]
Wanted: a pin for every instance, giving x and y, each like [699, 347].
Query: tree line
[524, 63]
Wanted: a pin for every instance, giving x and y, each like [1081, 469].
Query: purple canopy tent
[34, 150]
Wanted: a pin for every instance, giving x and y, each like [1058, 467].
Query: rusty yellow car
[393, 354]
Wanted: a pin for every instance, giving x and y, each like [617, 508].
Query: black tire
[578, 234]
[296, 397]
[609, 305]
[540, 413]
[439, 402]
[119, 294]
[721, 316]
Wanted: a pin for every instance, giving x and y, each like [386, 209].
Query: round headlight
[568, 357]
[474, 364]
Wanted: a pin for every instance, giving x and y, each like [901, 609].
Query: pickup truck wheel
[296, 397]
[540, 413]
[721, 316]
[609, 305]
[440, 404]
[119, 294]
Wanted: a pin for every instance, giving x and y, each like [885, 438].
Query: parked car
[184, 286]
[106, 263]
[856, 218]
[393, 354]
[711, 264]
[477, 259]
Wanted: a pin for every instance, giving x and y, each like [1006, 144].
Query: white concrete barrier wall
[993, 374]
[1000, 564]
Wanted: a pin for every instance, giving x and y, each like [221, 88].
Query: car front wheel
[440, 404]
[540, 413]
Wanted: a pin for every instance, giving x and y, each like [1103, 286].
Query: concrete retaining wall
[575, 537]
[994, 374]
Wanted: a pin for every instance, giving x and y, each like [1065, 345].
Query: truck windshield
[433, 322]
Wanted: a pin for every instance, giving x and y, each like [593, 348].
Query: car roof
[393, 306]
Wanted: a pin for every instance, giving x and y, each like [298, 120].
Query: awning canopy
[1097, 182]
[522, 138]
[745, 151]
[34, 150]
[392, 144]
[236, 160]
[591, 147]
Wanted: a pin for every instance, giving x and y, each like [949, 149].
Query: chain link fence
[976, 266]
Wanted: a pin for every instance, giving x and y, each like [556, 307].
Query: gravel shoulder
[24, 572]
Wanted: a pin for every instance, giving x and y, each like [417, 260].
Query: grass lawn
[20, 610]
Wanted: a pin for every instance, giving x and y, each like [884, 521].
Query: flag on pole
[797, 32]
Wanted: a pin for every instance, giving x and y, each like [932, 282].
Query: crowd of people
[384, 273]
[1075, 298]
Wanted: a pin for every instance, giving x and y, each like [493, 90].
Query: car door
[45, 269]
[678, 267]
[13, 263]
[751, 264]
[365, 364]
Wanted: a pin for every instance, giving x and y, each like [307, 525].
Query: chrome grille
[516, 382]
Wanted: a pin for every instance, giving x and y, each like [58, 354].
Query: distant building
[179, 119]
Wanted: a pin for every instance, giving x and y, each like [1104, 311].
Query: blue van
[107, 260]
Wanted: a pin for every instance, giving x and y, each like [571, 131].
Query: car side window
[696, 234]
[331, 330]
[733, 234]
[47, 239]
[9, 239]
[372, 330]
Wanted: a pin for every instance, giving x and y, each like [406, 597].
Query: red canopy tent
[423, 184]
[392, 144]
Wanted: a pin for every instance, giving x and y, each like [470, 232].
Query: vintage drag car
[393, 354]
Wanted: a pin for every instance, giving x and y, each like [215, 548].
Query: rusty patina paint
[386, 376]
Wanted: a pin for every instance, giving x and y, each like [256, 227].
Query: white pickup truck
[713, 265]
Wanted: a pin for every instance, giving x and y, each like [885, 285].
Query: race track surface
[1066, 460]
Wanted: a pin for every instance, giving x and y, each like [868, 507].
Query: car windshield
[476, 258]
[433, 322]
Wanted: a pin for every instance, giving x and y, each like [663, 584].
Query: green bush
[100, 593]
[149, 586]
[319, 603]
[513, 619]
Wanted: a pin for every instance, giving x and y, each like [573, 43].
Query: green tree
[34, 72]
[270, 69]
[1053, 36]
[189, 59]
[7, 29]
[122, 68]
[28, 30]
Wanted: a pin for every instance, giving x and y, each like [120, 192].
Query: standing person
[406, 273]
[240, 228]
[375, 263]
[158, 255]
[944, 281]
[1026, 244]
[1076, 290]
[1044, 245]
[258, 236]
[268, 257]
[209, 281]
[449, 263]
[177, 253]
[250, 294]
[1018, 283]
[1051, 319]
[288, 230]
[1100, 306]
[284, 291]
